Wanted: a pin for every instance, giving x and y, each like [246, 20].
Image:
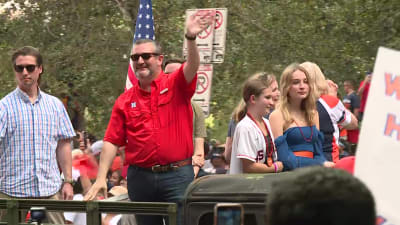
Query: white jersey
[248, 143]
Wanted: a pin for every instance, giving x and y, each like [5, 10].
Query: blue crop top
[292, 140]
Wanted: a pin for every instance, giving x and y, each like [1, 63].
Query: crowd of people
[154, 146]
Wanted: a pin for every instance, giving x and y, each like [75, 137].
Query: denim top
[300, 139]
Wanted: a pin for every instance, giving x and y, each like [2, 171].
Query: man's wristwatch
[69, 181]
[190, 38]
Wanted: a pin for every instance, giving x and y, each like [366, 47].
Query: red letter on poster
[392, 85]
[392, 126]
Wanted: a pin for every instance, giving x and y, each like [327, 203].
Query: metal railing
[93, 209]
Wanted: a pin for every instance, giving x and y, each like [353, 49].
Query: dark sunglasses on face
[20, 68]
[145, 56]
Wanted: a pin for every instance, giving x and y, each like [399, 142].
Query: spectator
[253, 148]
[123, 183]
[331, 112]
[199, 127]
[115, 178]
[154, 120]
[218, 164]
[85, 141]
[316, 195]
[238, 112]
[352, 102]
[295, 123]
[362, 92]
[35, 137]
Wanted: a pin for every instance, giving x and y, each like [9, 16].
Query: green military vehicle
[250, 190]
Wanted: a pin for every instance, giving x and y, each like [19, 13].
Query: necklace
[302, 134]
[270, 147]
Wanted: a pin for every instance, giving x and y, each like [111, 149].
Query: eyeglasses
[145, 56]
[20, 68]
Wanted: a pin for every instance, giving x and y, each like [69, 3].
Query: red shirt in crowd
[364, 95]
[156, 126]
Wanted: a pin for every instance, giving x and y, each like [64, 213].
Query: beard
[143, 73]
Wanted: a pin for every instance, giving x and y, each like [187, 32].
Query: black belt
[166, 168]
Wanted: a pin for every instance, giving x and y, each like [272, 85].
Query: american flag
[144, 30]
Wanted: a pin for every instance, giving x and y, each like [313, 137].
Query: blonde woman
[331, 112]
[295, 123]
[253, 148]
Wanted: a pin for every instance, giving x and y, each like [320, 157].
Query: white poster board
[221, 20]
[203, 88]
[378, 151]
[204, 39]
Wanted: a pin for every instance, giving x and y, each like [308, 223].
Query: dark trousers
[146, 186]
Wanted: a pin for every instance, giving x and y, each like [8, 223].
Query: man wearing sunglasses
[154, 120]
[35, 134]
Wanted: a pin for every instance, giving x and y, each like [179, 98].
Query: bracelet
[275, 167]
[190, 38]
[69, 181]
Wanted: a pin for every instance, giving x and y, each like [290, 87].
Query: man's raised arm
[194, 25]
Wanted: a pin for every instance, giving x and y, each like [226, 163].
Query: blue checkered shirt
[29, 134]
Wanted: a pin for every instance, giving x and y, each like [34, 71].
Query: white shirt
[248, 143]
[77, 218]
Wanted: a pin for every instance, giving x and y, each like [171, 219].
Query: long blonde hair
[254, 85]
[317, 78]
[308, 105]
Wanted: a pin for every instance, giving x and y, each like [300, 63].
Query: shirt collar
[153, 84]
[25, 97]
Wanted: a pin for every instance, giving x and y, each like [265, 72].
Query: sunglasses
[145, 56]
[20, 68]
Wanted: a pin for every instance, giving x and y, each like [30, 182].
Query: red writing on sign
[391, 126]
[380, 220]
[392, 85]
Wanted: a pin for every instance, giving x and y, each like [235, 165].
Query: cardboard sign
[203, 88]
[378, 151]
[221, 20]
[204, 39]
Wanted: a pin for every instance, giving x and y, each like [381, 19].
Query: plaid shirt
[29, 133]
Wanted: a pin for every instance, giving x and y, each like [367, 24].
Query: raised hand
[332, 88]
[199, 21]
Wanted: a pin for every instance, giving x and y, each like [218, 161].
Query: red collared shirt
[156, 126]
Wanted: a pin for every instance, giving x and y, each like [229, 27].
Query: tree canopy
[86, 45]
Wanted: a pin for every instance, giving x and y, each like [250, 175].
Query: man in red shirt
[154, 120]
[363, 91]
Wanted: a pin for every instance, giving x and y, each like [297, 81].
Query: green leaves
[84, 43]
